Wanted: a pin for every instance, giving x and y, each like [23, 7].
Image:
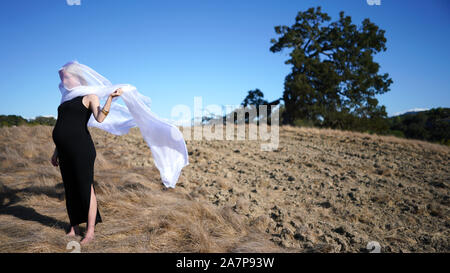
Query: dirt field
[320, 191]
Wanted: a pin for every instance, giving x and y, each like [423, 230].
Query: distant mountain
[410, 111]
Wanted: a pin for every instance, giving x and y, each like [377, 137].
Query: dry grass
[322, 190]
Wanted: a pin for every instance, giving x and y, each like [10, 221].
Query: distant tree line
[14, 120]
[432, 125]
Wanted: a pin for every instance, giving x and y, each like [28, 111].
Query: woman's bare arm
[94, 105]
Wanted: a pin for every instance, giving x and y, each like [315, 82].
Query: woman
[82, 88]
[75, 154]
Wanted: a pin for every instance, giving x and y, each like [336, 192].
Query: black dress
[76, 153]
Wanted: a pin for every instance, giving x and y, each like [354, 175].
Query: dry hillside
[322, 191]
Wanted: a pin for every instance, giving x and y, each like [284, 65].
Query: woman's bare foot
[74, 230]
[88, 238]
[91, 219]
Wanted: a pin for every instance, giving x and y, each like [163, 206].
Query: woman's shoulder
[92, 98]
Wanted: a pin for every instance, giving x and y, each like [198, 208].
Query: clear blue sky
[175, 50]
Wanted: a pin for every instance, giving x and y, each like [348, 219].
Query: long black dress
[76, 152]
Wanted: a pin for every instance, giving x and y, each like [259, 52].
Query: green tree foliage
[11, 120]
[254, 99]
[43, 121]
[334, 79]
[14, 120]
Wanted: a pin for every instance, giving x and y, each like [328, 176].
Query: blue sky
[173, 51]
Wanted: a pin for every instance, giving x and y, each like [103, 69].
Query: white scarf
[165, 140]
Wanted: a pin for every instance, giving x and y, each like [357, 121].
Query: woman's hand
[116, 93]
[55, 160]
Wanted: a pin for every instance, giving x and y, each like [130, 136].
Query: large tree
[334, 78]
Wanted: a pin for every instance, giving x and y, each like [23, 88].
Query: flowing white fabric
[165, 140]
